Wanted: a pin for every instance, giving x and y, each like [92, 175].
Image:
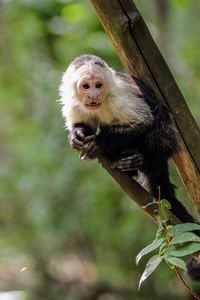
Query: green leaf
[178, 262]
[148, 249]
[185, 250]
[179, 228]
[185, 237]
[165, 206]
[153, 259]
[152, 264]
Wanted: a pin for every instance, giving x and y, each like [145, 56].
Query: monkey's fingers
[89, 138]
[76, 143]
[129, 163]
[80, 135]
[90, 152]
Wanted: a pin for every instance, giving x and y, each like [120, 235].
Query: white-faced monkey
[111, 114]
[118, 117]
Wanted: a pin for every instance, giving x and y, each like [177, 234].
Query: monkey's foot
[130, 163]
[90, 152]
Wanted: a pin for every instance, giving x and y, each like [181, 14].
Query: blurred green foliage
[66, 229]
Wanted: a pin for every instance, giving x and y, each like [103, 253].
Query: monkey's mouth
[92, 105]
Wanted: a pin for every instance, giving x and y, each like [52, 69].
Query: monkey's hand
[130, 163]
[76, 138]
[91, 149]
[79, 136]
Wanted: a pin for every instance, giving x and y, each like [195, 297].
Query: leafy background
[66, 229]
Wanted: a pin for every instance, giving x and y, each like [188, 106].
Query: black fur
[193, 268]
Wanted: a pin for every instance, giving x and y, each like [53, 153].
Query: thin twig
[190, 290]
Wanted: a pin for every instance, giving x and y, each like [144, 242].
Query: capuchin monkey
[118, 117]
[111, 114]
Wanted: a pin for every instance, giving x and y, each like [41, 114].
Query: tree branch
[136, 192]
[133, 189]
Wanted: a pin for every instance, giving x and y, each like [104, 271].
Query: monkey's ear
[133, 81]
[136, 85]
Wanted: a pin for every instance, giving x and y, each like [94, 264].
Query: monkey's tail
[167, 191]
[160, 186]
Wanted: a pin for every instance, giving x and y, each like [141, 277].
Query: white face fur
[94, 95]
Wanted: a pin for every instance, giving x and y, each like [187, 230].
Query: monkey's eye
[98, 85]
[86, 86]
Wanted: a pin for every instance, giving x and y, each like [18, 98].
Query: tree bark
[142, 59]
[134, 190]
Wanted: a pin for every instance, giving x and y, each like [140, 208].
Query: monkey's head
[89, 77]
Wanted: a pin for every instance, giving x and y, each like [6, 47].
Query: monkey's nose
[92, 97]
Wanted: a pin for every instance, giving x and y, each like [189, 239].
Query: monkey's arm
[113, 139]
[120, 136]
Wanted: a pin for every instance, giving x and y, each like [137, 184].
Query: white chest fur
[121, 106]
